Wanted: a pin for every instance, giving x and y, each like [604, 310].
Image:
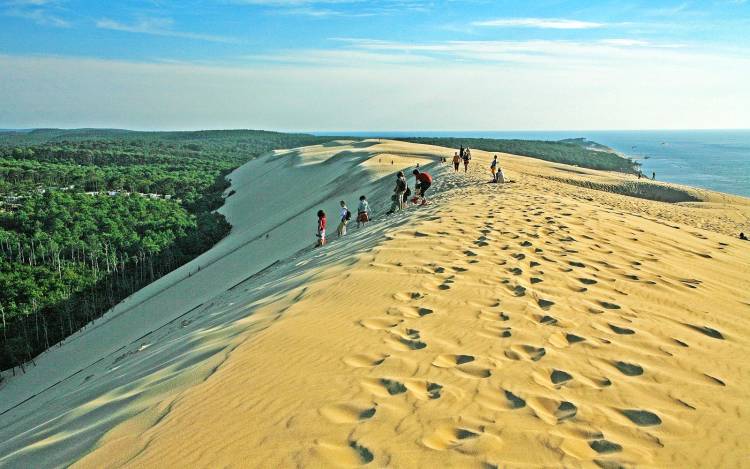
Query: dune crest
[536, 323]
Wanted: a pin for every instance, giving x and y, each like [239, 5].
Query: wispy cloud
[541, 23]
[157, 27]
[341, 8]
[339, 57]
[43, 12]
[602, 52]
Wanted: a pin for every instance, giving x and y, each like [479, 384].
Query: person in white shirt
[345, 215]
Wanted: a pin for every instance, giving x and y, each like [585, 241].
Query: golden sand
[532, 324]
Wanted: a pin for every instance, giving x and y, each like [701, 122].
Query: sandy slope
[539, 323]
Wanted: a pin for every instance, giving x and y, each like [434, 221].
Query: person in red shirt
[321, 234]
[425, 181]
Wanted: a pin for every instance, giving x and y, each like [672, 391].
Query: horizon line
[320, 132]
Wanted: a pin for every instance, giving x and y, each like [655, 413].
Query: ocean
[712, 159]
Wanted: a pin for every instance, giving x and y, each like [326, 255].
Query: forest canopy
[87, 217]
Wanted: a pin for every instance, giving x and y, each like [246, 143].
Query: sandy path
[534, 324]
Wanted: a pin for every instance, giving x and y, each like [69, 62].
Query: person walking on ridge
[321, 233]
[456, 162]
[467, 158]
[363, 211]
[345, 216]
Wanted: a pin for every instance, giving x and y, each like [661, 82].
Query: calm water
[713, 159]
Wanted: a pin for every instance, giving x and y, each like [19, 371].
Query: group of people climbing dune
[401, 193]
[345, 216]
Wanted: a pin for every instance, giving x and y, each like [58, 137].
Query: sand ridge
[516, 325]
[532, 324]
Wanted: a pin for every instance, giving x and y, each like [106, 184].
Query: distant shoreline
[711, 159]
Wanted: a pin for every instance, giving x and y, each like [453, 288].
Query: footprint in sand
[565, 411]
[408, 296]
[365, 360]
[545, 304]
[493, 331]
[348, 412]
[351, 454]
[560, 377]
[386, 387]
[527, 352]
[450, 360]
[408, 340]
[392, 387]
[628, 369]
[605, 447]
[411, 312]
[705, 330]
[691, 282]
[621, 330]
[642, 418]
[425, 390]
[552, 411]
[573, 339]
[450, 437]
[514, 401]
[380, 323]
[492, 316]
[459, 364]
[547, 320]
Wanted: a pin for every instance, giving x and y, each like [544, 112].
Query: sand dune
[550, 322]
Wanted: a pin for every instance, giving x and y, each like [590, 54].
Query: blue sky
[375, 65]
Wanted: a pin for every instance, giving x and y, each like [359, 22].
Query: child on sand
[500, 177]
[345, 216]
[321, 234]
[456, 162]
[363, 211]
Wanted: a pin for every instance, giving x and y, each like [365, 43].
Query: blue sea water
[713, 159]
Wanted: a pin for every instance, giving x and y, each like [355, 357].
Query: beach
[569, 318]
